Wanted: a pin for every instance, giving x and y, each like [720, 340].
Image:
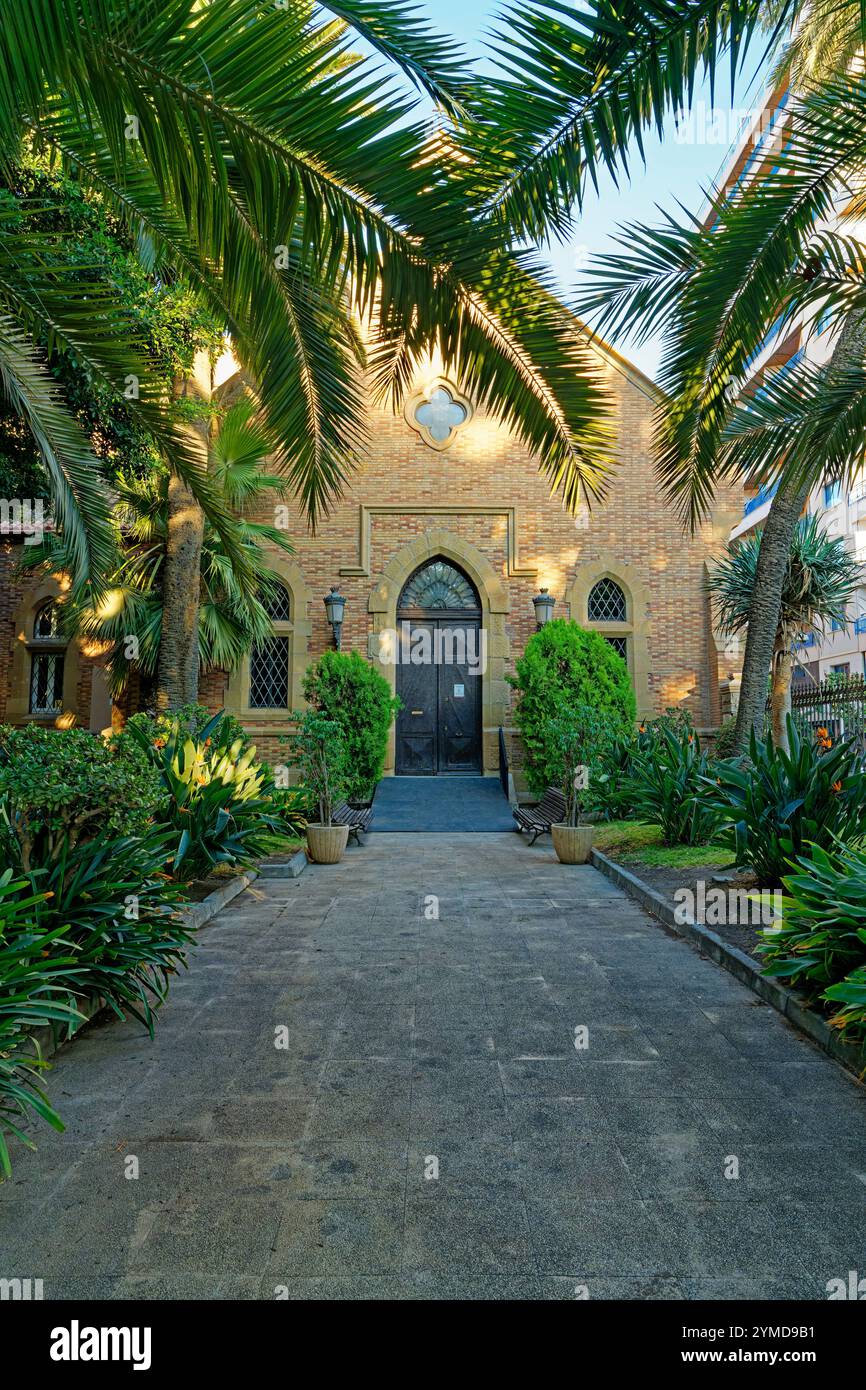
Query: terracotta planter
[327, 843]
[572, 843]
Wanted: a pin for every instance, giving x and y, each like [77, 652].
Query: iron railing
[838, 704]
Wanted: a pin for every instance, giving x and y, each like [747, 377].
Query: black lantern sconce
[335, 607]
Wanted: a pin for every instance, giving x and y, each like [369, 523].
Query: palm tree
[776, 253]
[820, 580]
[126, 620]
[252, 151]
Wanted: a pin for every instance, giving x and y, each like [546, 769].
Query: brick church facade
[442, 485]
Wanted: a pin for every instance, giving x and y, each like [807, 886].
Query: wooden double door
[439, 726]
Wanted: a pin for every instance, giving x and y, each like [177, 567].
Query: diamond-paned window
[606, 603]
[278, 605]
[46, 623]
[269, 674]
[439, 585]
[46, 682]
[620, 647]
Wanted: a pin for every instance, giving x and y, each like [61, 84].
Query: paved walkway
[416, 1045]
[441, 804]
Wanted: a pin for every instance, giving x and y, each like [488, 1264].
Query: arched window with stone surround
[271, 660]
[47, 647]
[608, 613]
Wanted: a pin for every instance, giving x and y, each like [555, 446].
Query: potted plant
[320, 754]
[574, 736]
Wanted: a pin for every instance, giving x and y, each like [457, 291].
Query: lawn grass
[633, 842]
[283, 844]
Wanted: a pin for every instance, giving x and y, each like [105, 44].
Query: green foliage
[668, 787]
[820, 579]
[231, 616]
[113, 905]
[34, 993]
[320, 754]
[217, 802]
[292, 808]
[350, 691]
[373, 207]
[778, 803]
[621, 758]
[821, 946]
[192, 719]
[725, 745]
[95, 919]
[61, 787]
[575, 738]
[564, 667]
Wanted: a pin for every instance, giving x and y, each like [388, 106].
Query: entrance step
[439, 805]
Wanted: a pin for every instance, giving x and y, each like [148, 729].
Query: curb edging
[736, 962]
[289, 868]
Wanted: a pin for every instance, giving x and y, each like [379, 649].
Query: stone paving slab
[425, 1127]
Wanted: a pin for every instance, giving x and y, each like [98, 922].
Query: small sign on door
[459, 692]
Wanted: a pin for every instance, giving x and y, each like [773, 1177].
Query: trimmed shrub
[347, 689]
[563, 667]
[59, 788]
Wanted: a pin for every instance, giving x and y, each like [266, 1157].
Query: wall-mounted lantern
[335, 607]
[544, 605]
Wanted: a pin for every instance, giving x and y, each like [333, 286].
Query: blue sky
[673, 171]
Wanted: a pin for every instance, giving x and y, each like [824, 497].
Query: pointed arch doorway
[439, 672]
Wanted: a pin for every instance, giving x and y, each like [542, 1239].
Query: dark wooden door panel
[418, 719]
[459, 712]
[439, 726]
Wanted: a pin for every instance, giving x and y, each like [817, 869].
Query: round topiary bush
[564, 666]
[344, 687]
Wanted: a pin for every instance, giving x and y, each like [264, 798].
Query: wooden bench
[344, 814]
[538, 819]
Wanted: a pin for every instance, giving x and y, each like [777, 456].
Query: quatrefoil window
[438, 414]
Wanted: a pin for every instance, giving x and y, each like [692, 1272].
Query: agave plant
[667, 786]
[35, 988]
[783, 800]
[821, 945]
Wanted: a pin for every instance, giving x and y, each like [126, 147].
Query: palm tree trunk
[776, 540]
[780, 696]
[766, 604]
[178, 666]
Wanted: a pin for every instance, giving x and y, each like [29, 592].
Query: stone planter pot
[327, 843]
[572, 843]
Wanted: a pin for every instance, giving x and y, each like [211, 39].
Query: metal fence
[838, 704]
